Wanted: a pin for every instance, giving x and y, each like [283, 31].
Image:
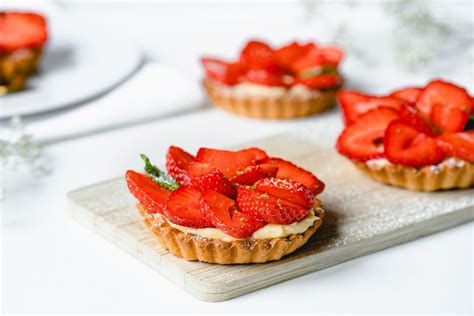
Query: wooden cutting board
[363, 216]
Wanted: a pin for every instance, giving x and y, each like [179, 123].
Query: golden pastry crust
[428, 178]
[16, 67]
[196, 248]
[285, 107]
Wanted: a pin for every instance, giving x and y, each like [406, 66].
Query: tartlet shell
[196, 248]
[16, 67]
[428, 178]
[284, 107]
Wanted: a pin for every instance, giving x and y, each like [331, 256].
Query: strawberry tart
[228, 207]
[22, 37]
[291, 81]
[419, 138]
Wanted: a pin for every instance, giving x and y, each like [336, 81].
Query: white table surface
[52, 264]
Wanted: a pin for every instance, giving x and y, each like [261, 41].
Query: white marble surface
[50, 263]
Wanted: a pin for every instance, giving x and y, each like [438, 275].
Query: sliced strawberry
[21, 30]
[225, 216]
[288, 190]
[177, 162]
[287, 54]
[363, 140]
[316, 57]
[410, 116]
[223, 72]
[226, 161]
[269, 208]
[444, 94]
[354, 104]
[406, 146]
[448, 119]
[257, 153]
[252, 174]
[408, 95]
[206, 177]
[183, 208]
[150, 194]
[324, 81]
[459, 145]
[265, 77]
[312, 59]
[258, 55]
[290, 171]
[332, 55]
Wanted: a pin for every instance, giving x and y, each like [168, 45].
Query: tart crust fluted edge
[196, 248]
[16, 67]
[428, 178]
[285, 107]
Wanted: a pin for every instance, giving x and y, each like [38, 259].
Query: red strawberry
[226, 161]
[332, 55]
[257, 153]
[460, 145]
[410, 116]
[448, 119]
[444, 94]
[258, 55]
[150, 194]
[183, 208]
[21, 30]
[312, 59]
[177, 162]
[288, 190]
[287, 54]
[363, 140]
[408, 95]
[225, 216]
[324, 81]
[223, 72]
[317, 57]
[290, 171]
[206, 177]
[269, 208]
[354, 104]
[252, 174]
[264, 77]
[406, 146]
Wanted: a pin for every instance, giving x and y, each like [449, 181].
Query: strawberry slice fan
[217, 206]
[419, 138]
[287, 82]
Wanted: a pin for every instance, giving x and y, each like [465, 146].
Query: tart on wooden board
[419, 138]
[228, 207]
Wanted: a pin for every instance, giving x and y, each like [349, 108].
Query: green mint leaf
[313, 72]
[160, 177]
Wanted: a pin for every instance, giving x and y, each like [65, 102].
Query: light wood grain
[363, 216]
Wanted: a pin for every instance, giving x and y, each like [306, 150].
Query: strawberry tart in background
[228, 207]
[292, 81]
[419, 138]
[22, 38]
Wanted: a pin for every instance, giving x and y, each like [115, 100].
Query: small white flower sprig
[417, 31]
[19, 150]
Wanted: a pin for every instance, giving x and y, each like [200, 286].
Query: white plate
[76, 67]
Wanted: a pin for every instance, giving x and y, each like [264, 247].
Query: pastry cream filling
[256, 90]
[268, 231]
[383, 162]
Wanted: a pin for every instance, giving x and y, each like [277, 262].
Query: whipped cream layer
[268, 231]
[245, 89]
[450, 162]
